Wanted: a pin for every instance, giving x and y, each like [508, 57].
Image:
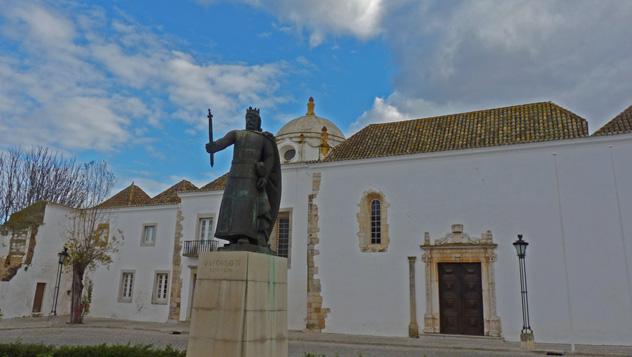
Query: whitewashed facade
[17, 295]
[144, 261]
[571, 199]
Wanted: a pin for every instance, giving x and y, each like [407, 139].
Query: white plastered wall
[17, 294]
[193, 206]
[508, 190]
[145, 261]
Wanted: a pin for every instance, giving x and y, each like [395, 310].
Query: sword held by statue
[210, 135]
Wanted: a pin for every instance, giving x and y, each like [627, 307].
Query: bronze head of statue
[253, 119]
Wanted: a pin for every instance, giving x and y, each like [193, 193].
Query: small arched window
[376, 222]
[373, 222]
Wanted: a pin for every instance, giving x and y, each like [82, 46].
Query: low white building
[29, 244]
[446, 195]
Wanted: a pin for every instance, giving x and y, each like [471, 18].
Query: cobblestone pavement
[112, 331]
[92, 336]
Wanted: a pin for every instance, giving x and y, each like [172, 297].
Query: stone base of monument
[240, 306]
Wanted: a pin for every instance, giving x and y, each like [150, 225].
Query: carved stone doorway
[475, 257]
[461, 298]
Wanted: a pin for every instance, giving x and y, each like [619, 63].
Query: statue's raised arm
[221, 144]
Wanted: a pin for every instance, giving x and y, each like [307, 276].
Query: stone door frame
[192, 283]
[458, 247]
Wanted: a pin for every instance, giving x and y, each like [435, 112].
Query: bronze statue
[252, 194]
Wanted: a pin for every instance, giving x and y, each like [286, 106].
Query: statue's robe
[247, 212]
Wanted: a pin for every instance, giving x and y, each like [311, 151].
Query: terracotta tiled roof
[170, 195]
[132, 195]
[32, 215]
[217, 184]
[620, 124]
[518, 124]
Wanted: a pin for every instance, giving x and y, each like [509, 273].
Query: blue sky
[130, 81]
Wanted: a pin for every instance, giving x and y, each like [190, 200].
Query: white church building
[402, 225]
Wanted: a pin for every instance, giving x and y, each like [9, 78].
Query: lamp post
[62, 258]
[526, 334]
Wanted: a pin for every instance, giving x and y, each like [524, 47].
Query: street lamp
[526, 335]
[62, 258]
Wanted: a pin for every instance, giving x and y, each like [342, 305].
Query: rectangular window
[161, 292]
[205, 227]
[283, 242]
[149, 235]
[281, 238]
[126, 289]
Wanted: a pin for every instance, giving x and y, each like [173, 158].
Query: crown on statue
[252, 110]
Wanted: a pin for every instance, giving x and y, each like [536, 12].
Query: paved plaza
[99, 331]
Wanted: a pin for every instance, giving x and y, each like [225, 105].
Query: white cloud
[136, 70]
[463, 55]
[87, 122]
[80, 80]
[380, 112]
[226, 88]
[358, 18]
[397, 107]
[44, 27]
[459, 56]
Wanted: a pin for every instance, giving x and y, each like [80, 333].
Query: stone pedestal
[240, 306]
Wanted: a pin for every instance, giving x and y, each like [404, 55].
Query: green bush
[30, 350]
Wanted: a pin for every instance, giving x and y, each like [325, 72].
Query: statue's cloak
[273, 187]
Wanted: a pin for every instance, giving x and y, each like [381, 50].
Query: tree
[39, 174]
[89, 241]
[89, 244]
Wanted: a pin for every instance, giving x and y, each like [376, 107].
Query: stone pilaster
[413, 328]
[316, 314]
[176, 268]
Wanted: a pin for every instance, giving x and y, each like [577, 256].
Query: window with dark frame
[376, 223]
[283, 229]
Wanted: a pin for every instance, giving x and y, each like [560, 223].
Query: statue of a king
[252, 193]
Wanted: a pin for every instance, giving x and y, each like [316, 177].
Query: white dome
[307, 138]
[310, 124]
